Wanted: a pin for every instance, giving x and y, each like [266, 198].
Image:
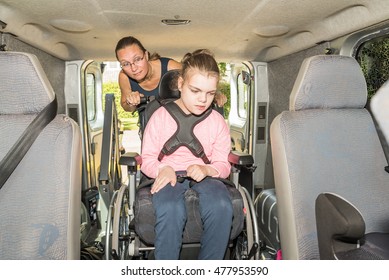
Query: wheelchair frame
[124, 243]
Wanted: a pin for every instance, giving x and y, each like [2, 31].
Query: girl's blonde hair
[202, 60]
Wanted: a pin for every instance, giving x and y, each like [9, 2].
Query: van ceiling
[261, 30]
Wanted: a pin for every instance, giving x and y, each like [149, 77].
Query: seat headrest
[329, 81]
[24, 86]
[168, 89]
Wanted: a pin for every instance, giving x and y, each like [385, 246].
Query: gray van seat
[41, 200]
[326, 143]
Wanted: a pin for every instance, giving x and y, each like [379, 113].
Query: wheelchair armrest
[339, 224]
[240, 159]
[131, 159]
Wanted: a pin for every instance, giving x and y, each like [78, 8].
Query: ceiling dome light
[271, 30]
[175, 21]
[71, 26]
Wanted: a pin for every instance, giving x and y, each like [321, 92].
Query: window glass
[243, 93]
[113, 65]
[90, 96]
[373, 56]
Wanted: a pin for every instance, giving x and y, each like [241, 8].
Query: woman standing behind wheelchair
[142, 72]
[198, 84]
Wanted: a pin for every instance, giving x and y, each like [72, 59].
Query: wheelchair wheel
[120, 228]
[247, 243]
[85, 225]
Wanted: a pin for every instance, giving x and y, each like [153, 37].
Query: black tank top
[136, 87]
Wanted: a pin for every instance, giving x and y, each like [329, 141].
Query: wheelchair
[130, 222]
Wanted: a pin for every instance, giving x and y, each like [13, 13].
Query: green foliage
[222, 69]
[224, 87]
[374, 60]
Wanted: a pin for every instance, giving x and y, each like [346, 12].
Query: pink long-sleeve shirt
[213, 133]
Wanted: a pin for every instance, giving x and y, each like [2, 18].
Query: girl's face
[197, 91]
[134, 62]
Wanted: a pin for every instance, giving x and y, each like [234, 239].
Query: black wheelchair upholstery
[144, 219]
[168, 91]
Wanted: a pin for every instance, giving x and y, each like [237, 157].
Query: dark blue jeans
[216, 214]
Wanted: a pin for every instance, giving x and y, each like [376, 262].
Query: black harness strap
[25, 141]
[184, 135]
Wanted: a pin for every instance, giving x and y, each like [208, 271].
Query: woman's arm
[125, 89]
[172, 64]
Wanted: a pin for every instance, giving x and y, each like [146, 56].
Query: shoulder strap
[25, 141]
[184, 135]
[383, 141]
[164, 65]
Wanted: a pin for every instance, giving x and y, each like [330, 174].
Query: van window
[373, 56]
[90, 96]
[243, 93]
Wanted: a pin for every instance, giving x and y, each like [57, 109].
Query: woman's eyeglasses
[137, 61]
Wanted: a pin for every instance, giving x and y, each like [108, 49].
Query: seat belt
[25, 141]
[385, 147]
[384, 144]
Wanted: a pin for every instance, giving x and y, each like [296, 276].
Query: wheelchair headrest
[168, 89]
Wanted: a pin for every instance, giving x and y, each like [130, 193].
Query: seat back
[326, 142]
[41, 200]
[168, 91]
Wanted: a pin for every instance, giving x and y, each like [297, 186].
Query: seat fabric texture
[41, 200]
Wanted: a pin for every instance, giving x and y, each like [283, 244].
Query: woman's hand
[165, 176]
[220, 99]
[133, 98]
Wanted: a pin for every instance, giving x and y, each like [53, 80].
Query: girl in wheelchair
[198, 84]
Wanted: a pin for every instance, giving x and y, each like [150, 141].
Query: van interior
[306, 107]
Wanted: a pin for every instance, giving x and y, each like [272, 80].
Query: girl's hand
[165, 176]
[199, 172]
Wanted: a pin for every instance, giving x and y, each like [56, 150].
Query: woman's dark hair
[129, 41]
